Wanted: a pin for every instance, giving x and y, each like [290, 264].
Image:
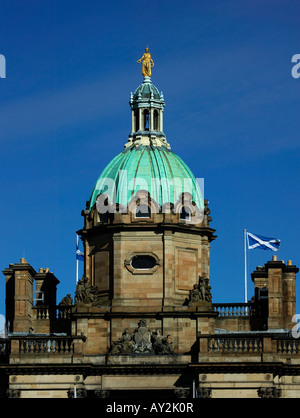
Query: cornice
[88, 369]
[161, 226]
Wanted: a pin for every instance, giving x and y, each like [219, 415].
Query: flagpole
[76, 260]
[245, 255]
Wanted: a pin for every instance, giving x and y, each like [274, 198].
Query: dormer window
[143, 211]
[185, 214]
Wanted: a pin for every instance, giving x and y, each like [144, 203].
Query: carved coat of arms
[142, 341]
[142, 338]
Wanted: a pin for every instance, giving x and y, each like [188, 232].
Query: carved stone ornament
[66, 301]
[142, 341]
[200, 292]
[80, 393]
[142, 338]
[102, 394]
[182, 393]
[86, 293]
[13, 393]
[204, 393]
[269, 392]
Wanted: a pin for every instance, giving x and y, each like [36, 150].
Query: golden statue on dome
[147, 63]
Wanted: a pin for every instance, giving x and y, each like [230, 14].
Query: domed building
[142, 323]
[146, 207]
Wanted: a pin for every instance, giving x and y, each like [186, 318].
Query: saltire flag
[79, 254]
[263, 243]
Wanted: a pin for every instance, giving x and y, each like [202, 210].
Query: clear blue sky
[232, 114]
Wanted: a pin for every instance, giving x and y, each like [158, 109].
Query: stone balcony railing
[290, 346]
[245, 344]
[237, 344]
[43, 345]
[225, 310]
[56, 345]
[59, 312]
[234, 310]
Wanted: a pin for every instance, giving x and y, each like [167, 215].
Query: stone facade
[139, 327]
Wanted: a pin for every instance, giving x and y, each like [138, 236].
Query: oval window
[143, 262]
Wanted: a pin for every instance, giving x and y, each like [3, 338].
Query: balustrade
[288, 346]
[235, 344]
[45, 345]
[233, 310]
[42, 312]
[62, 312]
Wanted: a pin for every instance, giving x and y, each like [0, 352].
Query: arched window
[137, 120]
[143, 211]
[146, 120]
[185, 213]
[155, 120]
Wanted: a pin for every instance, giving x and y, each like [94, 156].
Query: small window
[146, 120]
[185, 213]
[143, 211]
[143, 262]
[155, 120]
[137, 120]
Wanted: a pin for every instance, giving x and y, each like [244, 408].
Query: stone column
[151, 119]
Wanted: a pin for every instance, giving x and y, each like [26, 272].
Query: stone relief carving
[200, 292]
[182, 393]
[102, 394]
[142, 338]
[142, 341]
[123, 345]
[86, 293]
[65, 307]
[204, 392]
[269, 392]
[66, 301]
[13, 393]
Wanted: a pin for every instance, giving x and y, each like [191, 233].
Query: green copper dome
[155, 169]
[146, 90]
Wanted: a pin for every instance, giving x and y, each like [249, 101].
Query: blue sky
[232, 114]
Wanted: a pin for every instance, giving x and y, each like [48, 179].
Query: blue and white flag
[79, 254]
[263, 243]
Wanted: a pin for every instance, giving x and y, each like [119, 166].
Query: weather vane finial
[147, 63]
